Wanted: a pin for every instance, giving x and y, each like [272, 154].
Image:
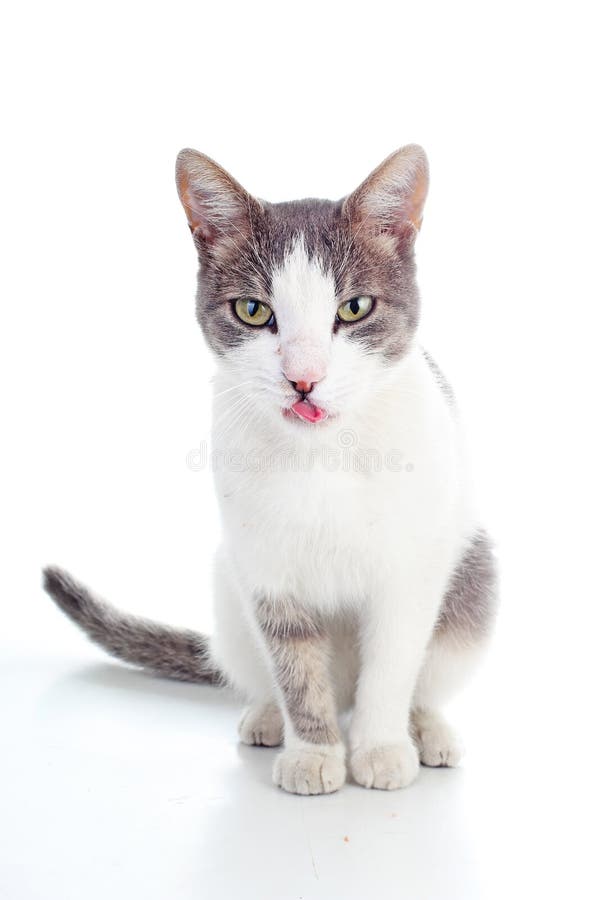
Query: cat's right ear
[390, 201]
[215, 204]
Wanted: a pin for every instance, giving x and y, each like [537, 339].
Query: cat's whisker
[228, 414]
[236, 387]
[239, 415]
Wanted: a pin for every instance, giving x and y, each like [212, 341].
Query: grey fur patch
[183, 655]
[285, 620]
[470, 602]
[299, 647]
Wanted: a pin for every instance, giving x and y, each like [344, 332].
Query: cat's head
[307, 304]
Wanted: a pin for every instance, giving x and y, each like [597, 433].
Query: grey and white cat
[354, 572]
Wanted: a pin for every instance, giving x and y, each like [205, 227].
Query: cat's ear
[215, 204]
[391, 200]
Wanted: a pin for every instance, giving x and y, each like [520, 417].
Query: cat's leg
[298, 645]
[455, 650]
[383, 754]
[448, 667]
[397, 623]
[241, 657]
[437, 742]
[344, 662]
[406, 665]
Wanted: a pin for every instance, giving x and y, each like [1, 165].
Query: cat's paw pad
[318, 771]
[261, 725]
[439, 745]
[387, 768]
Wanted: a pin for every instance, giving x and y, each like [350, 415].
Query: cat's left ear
[391, 200]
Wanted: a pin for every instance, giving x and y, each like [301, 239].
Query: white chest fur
[330, 512]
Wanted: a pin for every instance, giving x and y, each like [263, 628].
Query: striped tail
[165, 651]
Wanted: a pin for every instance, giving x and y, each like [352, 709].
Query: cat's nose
[303, 386]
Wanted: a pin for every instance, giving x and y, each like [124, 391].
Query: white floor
[119, 785]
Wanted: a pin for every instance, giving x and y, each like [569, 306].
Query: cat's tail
[165, 651]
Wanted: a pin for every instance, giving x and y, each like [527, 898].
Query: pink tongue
[305, 410]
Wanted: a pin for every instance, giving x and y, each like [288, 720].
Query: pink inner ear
[399, 208]
[392, 198]
[215, 204]
[203, 214]
[416, 201]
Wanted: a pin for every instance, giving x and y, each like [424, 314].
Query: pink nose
[303, 365]
[304, 387]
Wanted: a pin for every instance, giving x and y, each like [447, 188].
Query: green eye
[253, 312]
[355, 309]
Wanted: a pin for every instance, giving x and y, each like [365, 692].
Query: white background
[118, 785]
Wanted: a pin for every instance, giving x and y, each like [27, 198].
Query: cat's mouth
[306, 411]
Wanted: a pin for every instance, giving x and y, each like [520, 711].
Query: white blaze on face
[304, 304]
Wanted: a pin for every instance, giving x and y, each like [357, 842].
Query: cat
[354, 572]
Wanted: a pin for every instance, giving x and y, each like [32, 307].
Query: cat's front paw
[387, 767]
[308, 771]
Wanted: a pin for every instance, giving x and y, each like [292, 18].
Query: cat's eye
[355, 309]
[253, 312]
